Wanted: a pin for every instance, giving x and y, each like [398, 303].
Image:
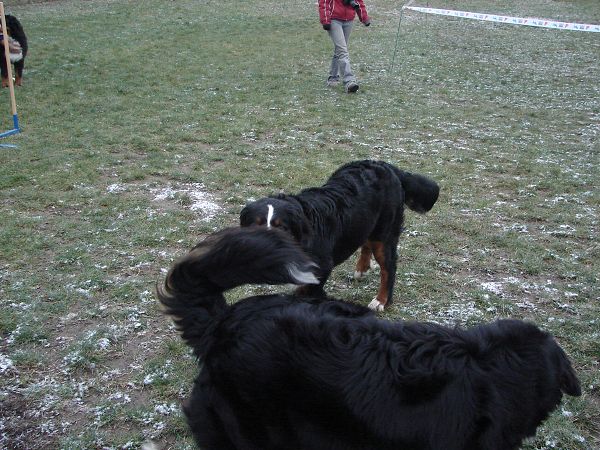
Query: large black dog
[361, 205]
[282, 372]
[19, 50]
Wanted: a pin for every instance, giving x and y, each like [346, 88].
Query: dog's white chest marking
[270, 215]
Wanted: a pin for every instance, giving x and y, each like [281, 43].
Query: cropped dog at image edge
[18, 50]
[291, 372]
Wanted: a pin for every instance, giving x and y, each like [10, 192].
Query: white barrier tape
[512, 20]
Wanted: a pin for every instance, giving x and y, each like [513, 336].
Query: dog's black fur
[282, 372]
[15, 31]
[361, 205]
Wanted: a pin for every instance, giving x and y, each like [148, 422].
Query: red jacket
[336, 9]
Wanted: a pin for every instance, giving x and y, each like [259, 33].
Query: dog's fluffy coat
[16, 32]
[360, 206]
[288, 372]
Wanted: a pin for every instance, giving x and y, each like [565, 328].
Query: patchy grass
[147, 125]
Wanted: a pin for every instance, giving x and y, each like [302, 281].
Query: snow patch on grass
[191, 195]
[6, 364]
[199, 201]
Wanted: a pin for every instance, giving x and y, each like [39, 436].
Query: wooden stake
[11, 87]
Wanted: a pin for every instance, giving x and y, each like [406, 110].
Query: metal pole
[397, 38]
[398, 33]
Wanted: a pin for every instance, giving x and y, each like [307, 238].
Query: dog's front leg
[385, 255]
[364, 261]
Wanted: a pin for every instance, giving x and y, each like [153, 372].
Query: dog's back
[417, 191]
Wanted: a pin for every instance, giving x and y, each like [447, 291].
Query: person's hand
[327, 26]
[367, 23]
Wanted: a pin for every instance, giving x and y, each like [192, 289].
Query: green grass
[147, 125]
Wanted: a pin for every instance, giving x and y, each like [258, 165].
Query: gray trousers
[340, 63]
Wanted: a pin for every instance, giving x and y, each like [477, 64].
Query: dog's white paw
[375, 305]
[358, 275]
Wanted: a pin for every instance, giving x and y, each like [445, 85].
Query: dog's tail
[420, 193]
[193, 290]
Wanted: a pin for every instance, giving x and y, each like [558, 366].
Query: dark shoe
[350, 87]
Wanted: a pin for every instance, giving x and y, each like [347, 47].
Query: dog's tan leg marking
[4, 82]
[378, 303]
[18, 81]
[364, 260]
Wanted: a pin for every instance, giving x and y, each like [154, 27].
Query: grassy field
[147, 125]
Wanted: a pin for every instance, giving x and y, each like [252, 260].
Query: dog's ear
[248, 215]
[245, 216]
[299, 225]
[569, 383]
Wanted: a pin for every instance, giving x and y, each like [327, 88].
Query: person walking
[337, 17]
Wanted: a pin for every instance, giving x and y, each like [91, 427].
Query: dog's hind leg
[364, 260]
[385, 254]
[19, 72]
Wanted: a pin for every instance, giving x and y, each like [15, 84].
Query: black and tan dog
[360, 206]
[282, 372]
[18, 50]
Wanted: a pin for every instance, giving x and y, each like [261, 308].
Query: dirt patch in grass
[19, 426]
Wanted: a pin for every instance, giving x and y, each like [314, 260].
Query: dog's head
[13, 26]
[537, 360]
[282, 212]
